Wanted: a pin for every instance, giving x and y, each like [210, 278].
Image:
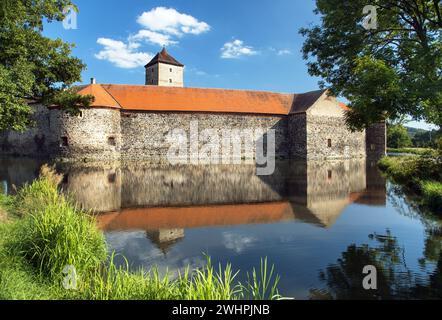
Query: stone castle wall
[145, 135]
[34, 141]
[95, 134]
[329, 138]
[376, 141]
[109, 134]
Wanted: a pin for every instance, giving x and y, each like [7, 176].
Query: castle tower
[164, 70]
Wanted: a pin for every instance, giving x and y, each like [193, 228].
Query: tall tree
[387, 72]
[398, 137]
[34, 67]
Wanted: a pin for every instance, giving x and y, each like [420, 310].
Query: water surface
[319, 223]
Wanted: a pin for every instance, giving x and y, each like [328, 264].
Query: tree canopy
[34, 67]
[398, 137]
[388, 72]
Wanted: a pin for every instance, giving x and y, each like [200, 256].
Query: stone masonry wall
[145, 135]
[95, 134]
[376, 139]
[108, 134]
[298, 135]
[34, 141]
[329, 138]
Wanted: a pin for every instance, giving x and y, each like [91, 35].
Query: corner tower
[164, 70]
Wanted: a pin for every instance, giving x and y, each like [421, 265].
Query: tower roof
[164, 57]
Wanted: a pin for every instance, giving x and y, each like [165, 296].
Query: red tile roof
[343, 106]
[195, 217]
[102, 97]
[155, 98]
[172, 99]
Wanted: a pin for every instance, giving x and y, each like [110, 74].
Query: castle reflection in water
[164, 201]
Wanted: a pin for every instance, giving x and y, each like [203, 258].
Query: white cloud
[121, 54]
[284, 52]
[170, 21]
[153, 38]
[236, 49]
[161, 26]
[236, 242]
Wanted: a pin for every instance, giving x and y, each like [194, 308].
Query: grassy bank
[421, 175]
[43, 234]
[416, 151]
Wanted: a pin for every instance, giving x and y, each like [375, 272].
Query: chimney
[93, 81]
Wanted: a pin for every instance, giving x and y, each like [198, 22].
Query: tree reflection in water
[395, 280]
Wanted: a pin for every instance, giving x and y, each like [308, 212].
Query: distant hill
[413, 131]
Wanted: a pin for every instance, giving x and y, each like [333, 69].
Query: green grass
[43, 232]
[416, 151]
[421, 175]
[432, 194]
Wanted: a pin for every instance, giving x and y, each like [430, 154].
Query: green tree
[426, 139]
[389, 72]
[34, 67]
[397, 137]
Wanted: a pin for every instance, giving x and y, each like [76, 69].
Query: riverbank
[421, 175]
[415, 151]
[50, 249]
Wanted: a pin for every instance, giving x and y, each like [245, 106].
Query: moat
[318, 222]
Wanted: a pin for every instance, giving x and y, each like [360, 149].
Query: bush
[432, 194]
[53, 233]
[44, 191]
[422, 175]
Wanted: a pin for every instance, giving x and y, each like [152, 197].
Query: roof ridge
[202, 88]
[92, 87]
[111, 95]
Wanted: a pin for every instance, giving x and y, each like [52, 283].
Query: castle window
[170, 69]
[112, 141]
[80, 115]
[329, 143]
[329, 174]
[170, 80]
[64, 142]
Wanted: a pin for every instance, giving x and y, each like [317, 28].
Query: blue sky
[241, 44]
[268, 28]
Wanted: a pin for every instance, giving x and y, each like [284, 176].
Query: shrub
[432, 194]
[53, 233]
[58, 236]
